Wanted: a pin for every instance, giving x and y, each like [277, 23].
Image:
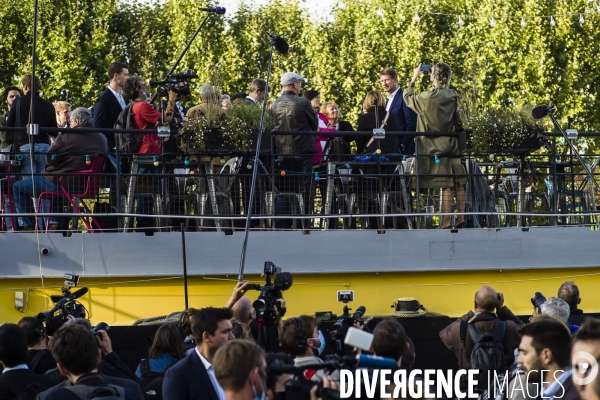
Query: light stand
[282, 48]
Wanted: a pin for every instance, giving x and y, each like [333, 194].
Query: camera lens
[259, 305]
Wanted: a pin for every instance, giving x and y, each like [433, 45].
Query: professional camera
[538, 299]
[66, 305]
[298, 388]
[173, 84]
[345, 321]
[269, 293]
[100, 326]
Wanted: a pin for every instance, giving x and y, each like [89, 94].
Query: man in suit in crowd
[569, 292]
[395, 105]
[111, 102]
[194, 378]
[257, 92]
[16, 376]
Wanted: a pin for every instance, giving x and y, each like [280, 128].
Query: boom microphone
[76, 295]
[541, 111]
[217, 10]
[184, 77]
[280, 44]
[359, 312]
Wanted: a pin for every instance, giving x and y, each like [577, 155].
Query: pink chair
[91, 191]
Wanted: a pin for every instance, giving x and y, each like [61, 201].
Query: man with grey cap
[294, 113]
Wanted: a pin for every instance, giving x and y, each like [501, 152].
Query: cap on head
[289, 78]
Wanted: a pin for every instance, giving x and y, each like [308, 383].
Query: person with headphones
[300, 338]
[39, 358]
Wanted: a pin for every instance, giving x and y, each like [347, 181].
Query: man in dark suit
[193, 378]
[396, 106]
[258, 88]
[111, 102]
[569, 292]
[545, 355]
[13, 354]
[44, 117]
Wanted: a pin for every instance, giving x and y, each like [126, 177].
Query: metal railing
[209, 191]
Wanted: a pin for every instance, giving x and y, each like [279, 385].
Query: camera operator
[39, 358]
[146, 116]
[487, 300]
[110, 365]
[241, 308]
[77, 355]
[241, 370]
[299, 337]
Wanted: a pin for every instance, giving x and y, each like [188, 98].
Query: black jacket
[294, 113]
[42, 360]
[92, 379]
[106, 111]
[577, 317]
[188, 380]
[124, 383]
[367, 122]
[17, 379]
[45, 117]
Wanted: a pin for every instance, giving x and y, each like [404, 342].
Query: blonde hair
[61, 105]
[442, 74]
[372, 95]
[327, 104]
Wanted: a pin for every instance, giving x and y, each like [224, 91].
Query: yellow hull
[121, 301]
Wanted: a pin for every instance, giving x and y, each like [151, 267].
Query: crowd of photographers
[250, 351]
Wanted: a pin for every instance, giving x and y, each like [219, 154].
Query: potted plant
[240, 126]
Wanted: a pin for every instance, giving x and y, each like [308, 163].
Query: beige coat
[435, 113]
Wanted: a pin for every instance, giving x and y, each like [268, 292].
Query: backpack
[128, 142]
[337, 149]
[108, 392]
[152, 381]
[487, 354]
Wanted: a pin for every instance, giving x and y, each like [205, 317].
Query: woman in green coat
[435, 113]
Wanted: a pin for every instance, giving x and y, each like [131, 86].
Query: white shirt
[390, 98]
[211, 374]
[20, 366]
[119, 97]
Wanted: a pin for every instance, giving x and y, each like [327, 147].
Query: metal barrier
[209, 190]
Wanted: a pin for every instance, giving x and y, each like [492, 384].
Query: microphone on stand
[217, 10]
[541, 111]
[280, 44]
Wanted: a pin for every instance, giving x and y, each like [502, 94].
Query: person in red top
[145, 116]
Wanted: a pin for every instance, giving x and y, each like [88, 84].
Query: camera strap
[383, 124]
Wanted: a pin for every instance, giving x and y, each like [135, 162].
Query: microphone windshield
[283, 280]
[359, 312]
[220, 10]
[280, 44]
[540, 111]
[79, 293]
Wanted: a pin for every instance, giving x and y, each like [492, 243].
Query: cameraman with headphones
[300, 337]
[39, 358]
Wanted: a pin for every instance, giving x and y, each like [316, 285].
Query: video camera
[269, 293]
[345, 321]
[66, 304]
[171, 84]
[299, 388]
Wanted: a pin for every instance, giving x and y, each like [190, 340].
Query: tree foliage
[507, 65]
